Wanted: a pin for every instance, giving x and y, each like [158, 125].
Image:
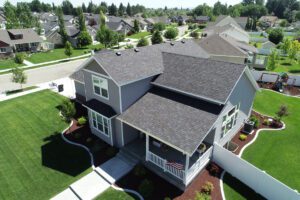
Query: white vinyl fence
[271, 77]
[258, 180]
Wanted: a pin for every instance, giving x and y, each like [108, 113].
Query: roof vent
[172, 43]
[136, 50]
[118, 53]
[182, 41]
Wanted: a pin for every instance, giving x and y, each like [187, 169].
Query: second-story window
[100, 86]
[229, 120]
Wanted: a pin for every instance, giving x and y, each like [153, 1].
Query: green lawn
[236, 190]
[258, 44]
[58, 54]
[112, 194]
[286, 65]
[35, 162]
[278, 152]
[139, 35]
[8, 63]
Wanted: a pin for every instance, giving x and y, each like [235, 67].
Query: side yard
[37, 160]
[8, 63]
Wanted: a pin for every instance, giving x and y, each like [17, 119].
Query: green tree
[272, 60]
[156, 38]
[128, 10]
[68, 49]
[283, 23]
[113, 10]
[61, 23]
[121, 10]
[18, 76]
[171, 33]
[84, 39]
[276, 35]
[91, 7]
[67, 109]
[294, 50]
[83, 7]
[102, 19]
[67, 7]
[286, 45]
[136, 26]
[219, 9]
[107, 37]
[159, 26]
[195, 34]
[143, 42]
[81, 20]
[10, 14]
[36, 6]
[19, 58]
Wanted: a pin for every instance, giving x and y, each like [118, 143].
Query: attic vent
[118, 53]
[182, 41]
[136, 50]
[172, 43]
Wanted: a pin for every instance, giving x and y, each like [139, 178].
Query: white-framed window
[2, 50]
[101, 123]
[100, 86]
[229, 120]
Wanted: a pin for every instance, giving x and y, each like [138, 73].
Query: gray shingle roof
[205, 78]
[29, 36]
[172, 118]
[78, 76]
[131, 65]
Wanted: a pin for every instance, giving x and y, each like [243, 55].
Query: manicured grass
[285, 64]
[8, 63]
[112, 194]
[258, 44]
[139, 35]
[36, 163]
[236, 190]
[58, 54]
[20, 90]
[277, 152]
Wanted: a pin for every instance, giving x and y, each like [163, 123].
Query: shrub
[110, 151]
[171, 33]
[81, 121]
[266, 122]
[195, 34]
[146, 188]
[143, 42]
[129, 46]
[208, 187]
[276, 35]
[202, 196]
[19, 58]
[202, 26]
[243, 137]
[282, 112]
[158, 27]
[214, 169]
[255, 120]
[156, 38]
[68, 109]
[140, 171]
[84, 39]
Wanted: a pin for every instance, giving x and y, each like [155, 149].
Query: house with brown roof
[165, 105]
[17, 40]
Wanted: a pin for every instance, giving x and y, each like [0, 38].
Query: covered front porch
[167, 160]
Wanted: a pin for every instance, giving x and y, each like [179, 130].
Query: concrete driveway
[41, 75]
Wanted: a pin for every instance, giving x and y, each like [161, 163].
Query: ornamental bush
[207, 188]
[19, 58]
[143, 42]
[255, 120]
[195, 34]
[276, 35]
[243, 137]
[171, 33]
[68, 110]
[82, 121]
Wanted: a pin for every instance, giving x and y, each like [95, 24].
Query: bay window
[101, 123]
[100, 86]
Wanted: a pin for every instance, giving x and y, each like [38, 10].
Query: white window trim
[97, 77]
[96, 127]
[233, 117]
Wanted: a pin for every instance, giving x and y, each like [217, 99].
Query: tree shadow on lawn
[294, 71]
[61, 156]
[286, 64]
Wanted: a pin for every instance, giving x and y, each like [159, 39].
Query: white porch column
[187, 163]
[147, 146]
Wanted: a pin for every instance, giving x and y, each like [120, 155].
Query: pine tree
[121, 10]
[156, 38]
[136, 26]
[61, 23]
[68, 49]
[128, 10]
[83, 7]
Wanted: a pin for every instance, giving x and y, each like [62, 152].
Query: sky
[147, 3]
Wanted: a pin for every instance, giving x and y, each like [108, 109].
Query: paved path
[41, 75]
[96, 182]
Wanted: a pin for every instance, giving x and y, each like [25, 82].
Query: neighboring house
[223, 20]
[154, 20]
[17, 40]
[201, 19]
[242, 21]
[165, 105]
[268, 21]
[129, 22]
[268, 45]
[2, 20]
[69, 19]
[231, 29]
[225, 48]
[180, 19]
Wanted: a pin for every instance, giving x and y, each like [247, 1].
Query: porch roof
[100, 108]
[179, 121]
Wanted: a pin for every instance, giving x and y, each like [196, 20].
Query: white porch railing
[198, 165]
[162, 163]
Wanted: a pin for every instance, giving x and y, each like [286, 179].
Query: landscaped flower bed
[81, 134]
[290, 90]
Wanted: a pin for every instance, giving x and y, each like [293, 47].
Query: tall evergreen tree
[67, 7]
[81, 20]
[128, 10]
[11, 17]
[136, 26]
[113, 10]
[61, 24]
[91, 7]
[83, 7]
[121, 10]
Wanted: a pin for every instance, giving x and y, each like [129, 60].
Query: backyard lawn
[276, 152]
[112, 194]
[139, 35]
[59, 53]
[35, 162]
[8, 63]
[286, 65]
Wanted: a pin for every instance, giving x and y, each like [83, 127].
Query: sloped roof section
[204, 78]
[175, 119]
[148, 61]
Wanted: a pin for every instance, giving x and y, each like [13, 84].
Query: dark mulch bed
[289, 90]
[82, 135]
[250, 137]
[162, 188]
